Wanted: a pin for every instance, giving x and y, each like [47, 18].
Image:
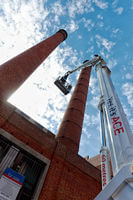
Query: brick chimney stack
[69, 132]
[15, 71]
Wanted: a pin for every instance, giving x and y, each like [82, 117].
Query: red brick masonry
[69, 177]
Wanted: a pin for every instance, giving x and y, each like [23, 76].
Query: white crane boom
[61, 81]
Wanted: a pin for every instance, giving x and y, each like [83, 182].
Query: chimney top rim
[64, 33]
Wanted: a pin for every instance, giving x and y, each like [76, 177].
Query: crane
[115, 129]
[61, 82]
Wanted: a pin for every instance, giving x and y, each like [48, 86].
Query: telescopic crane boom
[61, 82]
[115, 129]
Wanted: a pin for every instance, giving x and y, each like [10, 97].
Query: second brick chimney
[69, 132]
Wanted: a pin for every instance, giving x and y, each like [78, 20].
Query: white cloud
[22, 27]
[80, 37]
[88, 23]
[129, 76]
[90, 50]
[99, 16]
[116, 30]
[115, 3]
[95, 101]
[56, 19]
[20, 22]
[104, 42]
[107, 44]
[85, 131]
[101, 4]
[131, 122]
[119, 10]
[116, 9]
[43, 99]
[100, 24]
[91, 120]
[95, 120]
[72, 26]
[127, 90]
[79, 7]
[69, 54]
[93, 85]
[126, 110]
[112, 63]
[58, 9]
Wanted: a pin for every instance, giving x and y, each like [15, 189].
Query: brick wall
[67, 182]
[69, 176]
[96, 161]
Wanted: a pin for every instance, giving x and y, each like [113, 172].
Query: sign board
[10, 184]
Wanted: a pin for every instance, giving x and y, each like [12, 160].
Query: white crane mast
[120, 140]
[119, 133]
[114, 128]
[104, 151]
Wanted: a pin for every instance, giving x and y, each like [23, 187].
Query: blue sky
[94, 27]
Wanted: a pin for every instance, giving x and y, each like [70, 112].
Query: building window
[23, 162]
[4, 147]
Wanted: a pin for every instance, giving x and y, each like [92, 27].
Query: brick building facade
[51, 164]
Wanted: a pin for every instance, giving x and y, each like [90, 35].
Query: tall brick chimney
[15, 71]
[71, 127]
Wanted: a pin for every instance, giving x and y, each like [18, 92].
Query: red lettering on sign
[103, 175]
[103, 158]
[115, 122]
[115, 119]
[118, 130]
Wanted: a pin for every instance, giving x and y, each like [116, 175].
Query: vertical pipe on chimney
[15, 71]
[69, 132]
